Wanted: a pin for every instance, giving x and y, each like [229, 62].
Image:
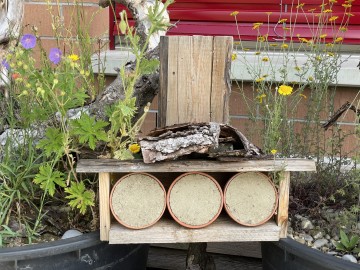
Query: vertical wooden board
[163, 57]
[283, 207]
[104, 205]
[221, 83]
[201, 70]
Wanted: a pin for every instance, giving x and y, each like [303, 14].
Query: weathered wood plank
[117, 166]
[165, 76]
[161, 258]
[220, 79]
[283, 206]
[104, 195]
[168, 231]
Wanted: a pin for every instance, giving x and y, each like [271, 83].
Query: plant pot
[250, 198]
[194, 200]
[82, 252]
[138, 200]
[289, 254]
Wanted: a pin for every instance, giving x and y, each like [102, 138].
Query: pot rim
[188, 225]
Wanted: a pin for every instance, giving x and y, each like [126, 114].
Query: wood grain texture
[112, 165]
[283, 207]
[164, 79]
[220, 80]
[104, 206]
[168, 231]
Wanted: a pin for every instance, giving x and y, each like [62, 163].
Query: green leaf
[123, 154]
[148, 66]
[47, 178]
[88, 130]
[353, 241]
[79, 196]
[340, 247]
[344, 239]
[53, 142]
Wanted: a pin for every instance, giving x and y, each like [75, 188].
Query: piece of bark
[175, 143]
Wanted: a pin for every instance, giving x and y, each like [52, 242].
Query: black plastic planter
[77, 253]
[287, 254]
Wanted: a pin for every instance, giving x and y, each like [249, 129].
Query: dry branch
[333, 119]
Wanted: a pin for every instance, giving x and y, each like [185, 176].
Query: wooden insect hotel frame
[195, 87]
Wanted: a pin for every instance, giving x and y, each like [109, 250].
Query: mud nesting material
[138, 200]
[195, 200]
[250, 198]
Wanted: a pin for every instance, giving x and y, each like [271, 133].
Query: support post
[283, 207]
[104, 197]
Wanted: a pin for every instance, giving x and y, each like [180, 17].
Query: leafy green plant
[348, 244]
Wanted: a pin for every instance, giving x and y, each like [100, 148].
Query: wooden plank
[112, 165]
[104, 196]
[164, 79]
[220, 80]
[168, 231]
[161, 258]
[283, 207]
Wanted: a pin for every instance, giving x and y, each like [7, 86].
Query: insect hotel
[200, 180]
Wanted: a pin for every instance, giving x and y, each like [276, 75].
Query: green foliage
[88, 130]
[79, 196]
[48, 179]
[5, 233]
[347, 244]
[53, 143]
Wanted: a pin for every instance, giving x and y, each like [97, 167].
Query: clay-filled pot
[138, 200]
[250, 198]
[195, 200]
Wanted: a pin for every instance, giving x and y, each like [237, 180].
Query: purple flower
[5, 64]
[28, 41]
[55, 55]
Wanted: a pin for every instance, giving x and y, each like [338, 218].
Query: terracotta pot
[138, 200]
[194, 200]
[250, 198]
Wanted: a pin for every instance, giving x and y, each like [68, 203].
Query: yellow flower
[302, 95]
[312, 9]
[73, 57]
[260, 97]
[318, 58]
[310, 78]
[284, 46]
[343, 29]
[273, 45]
[282, 20]
[339, 39]
[134, 148]
[285, 90]
[56, 81]
[332, 1]
[259, 79]
[323, 36]
[333, 18]
[262, 38]
[327, 11]
[268, 13]
[257, 53]
[297, 68]
[233, 56]
[349, 14]
[234, 13]
[265, 59]
[300, 5]
[257, 25]
[331, 54]
[346, 5]
[304, 40]
[273, 151]
[329, 45]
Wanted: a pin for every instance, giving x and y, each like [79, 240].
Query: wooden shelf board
[168, 231]
[117, 166]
